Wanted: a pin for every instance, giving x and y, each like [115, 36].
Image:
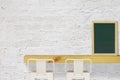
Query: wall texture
[53, 26]
[48, 27]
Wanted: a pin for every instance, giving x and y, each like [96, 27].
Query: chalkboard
[105, 37]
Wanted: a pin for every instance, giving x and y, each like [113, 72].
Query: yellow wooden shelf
[61, 58]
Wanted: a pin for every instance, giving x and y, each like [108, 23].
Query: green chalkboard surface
[104, 38]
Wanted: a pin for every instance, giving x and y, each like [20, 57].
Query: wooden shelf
[61, 58]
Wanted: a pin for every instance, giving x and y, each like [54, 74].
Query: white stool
[78, 71]
[41, 73]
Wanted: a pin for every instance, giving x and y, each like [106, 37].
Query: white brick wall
[53, 26]
[47, 27]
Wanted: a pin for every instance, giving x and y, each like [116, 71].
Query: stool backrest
[41, 64]
[78, 65]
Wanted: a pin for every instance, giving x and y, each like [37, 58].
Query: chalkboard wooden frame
[116, 37]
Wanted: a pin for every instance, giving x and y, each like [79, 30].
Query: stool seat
[36, 76]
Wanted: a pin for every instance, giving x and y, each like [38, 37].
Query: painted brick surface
[50, 27]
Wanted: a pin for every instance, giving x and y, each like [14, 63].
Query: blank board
[105, 37]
